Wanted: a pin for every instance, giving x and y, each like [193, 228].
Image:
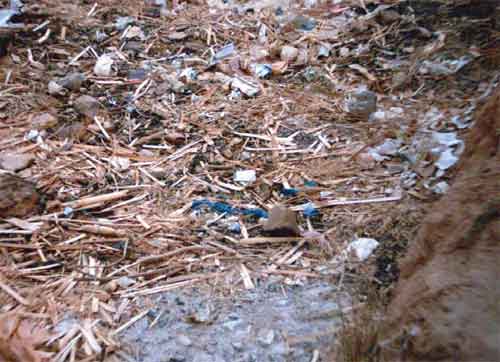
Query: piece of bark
[282, 222]
[18, 197]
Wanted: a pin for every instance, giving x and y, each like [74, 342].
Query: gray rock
[361, 104]
[15, 162]
[87, 106]
[72, 81]
[184, 340]
[265, 337]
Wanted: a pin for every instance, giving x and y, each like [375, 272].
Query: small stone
[72, 81]
[111, 286]
[125, 282]
[175, 138]
[87, 106]
[74, 131]
[361, 104]
[289, 53]
[137, 74]
[237, 345]
[282, 222]
[15, 162]
[44, 121]
[265, 337]
[18, 197]
[301, 22]
[55, 88]
[184, 340]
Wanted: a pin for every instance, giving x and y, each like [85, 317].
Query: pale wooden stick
[13, 293]
[96, 199]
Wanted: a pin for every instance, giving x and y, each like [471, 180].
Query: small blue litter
[310, 184]
[289, 192]
[310, 210]
[235, 227]
[258, 213]
[222, 207]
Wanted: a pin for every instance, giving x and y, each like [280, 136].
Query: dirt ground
[151, 143]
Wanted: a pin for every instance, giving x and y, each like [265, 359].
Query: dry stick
[13, 293]
[96, 199]
[319, 205]
[130, 322]
[155, 258]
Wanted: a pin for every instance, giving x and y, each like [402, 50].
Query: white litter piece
[363, 247]
[446, 160]
[246, 85]
[245, 176]
[103, 66]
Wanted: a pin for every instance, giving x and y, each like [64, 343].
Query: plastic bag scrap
[222, 207]
[6, 14]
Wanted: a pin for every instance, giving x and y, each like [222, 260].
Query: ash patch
[271, 323]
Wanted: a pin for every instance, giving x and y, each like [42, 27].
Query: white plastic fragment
[103, 66]
[224, 52]
[246, 85]
[446, 160]
[245, 176]
[6, 14]
[363, 247]
[441, 187]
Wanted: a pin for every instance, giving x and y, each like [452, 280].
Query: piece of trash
[123, 21]
[32, 135]
[289, 53]
[246, 85]
[55, 88]
[245, 176]
[68, 211]
[363, 247]
[222, 207]
[310, 210]
[310, 184]
[361, 104]
[6, 14]
[282, 222]
[189, 74]
[103, 66]
[224, 52]
[235, 227]
[263, 70]
[445, 67]
[446, 160]
[100, 36]
[440, 188]
[388, 149]
[323, 51]
[289, 192]
[301, 22]
[134, 32]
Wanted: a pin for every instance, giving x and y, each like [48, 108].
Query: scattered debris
[15, 162]
[363, 247]
[282, 222]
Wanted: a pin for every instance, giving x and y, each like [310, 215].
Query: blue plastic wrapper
[222, 207]
[289, 192]
[310, 210]
[310, 184]
[235, 227]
